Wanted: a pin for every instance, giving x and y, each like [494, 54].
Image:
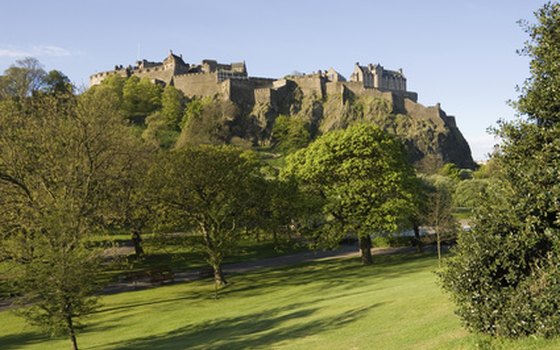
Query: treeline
[131, 155]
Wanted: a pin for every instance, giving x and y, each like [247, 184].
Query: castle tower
[175, 64]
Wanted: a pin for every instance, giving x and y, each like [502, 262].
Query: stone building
[376, 77]
[232, 82]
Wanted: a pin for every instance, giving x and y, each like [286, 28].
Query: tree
[286, 211]
[439, 213]
[61, 166]
[22, 79]
[56, 82]
[470, 193]
[208, 189]
[418, 216]
[504, 274]
[364, 177]
[163, 126]
[289, 133]
[172, 106]
[141, 97]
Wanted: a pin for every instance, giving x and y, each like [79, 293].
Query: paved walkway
[247, 266]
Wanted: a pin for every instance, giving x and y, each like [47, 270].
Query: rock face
[431, 136]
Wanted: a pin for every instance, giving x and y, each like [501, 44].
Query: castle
[232, 82]
[264, 98]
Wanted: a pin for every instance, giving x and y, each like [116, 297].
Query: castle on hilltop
[322, 97]
[232, 82]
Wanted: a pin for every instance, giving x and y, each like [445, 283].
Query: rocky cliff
[431, 136]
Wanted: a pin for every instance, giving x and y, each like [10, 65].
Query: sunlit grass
[334, 304]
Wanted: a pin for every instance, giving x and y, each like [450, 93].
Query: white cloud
[49, 50]
[34, 51]
[14, 53]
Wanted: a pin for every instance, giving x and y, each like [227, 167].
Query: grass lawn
[334, 304]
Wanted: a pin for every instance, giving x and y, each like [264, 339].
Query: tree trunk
[365, 249]
[438, 239]
[71, 332]
[417, 240]
[219, 275]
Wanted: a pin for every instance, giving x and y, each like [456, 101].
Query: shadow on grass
[342, 273]
[256, 330]
[129, 306]
[16, 341]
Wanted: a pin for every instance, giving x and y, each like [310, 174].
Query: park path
[247, 266]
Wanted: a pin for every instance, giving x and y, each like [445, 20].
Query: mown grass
[335, 304]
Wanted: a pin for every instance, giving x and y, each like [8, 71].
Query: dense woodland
[129, 155]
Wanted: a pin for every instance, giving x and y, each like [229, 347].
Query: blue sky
[459, 53]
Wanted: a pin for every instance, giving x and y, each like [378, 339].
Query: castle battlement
[208, 78]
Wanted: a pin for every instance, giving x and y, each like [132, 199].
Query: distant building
[231, 81]
[376, 77]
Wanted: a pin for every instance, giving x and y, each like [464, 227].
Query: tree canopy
[363, 174]
[210, 190]
[63, 165]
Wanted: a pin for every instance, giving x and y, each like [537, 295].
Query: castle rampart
[231, 81]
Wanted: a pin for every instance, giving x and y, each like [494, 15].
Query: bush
[503, 286]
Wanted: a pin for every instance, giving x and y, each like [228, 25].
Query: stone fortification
[284, 96]
[231, 81]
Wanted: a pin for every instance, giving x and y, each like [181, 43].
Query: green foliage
[63, 165]
[22, 79]
[210, 189]
[539, 100]
[287, 212]
[504, 275]
[172, 106]
[489, 170]
[439, 214]
[363, 175]
[470, 193]
[289, 134]
[141, 97]
[194, 108]
[451, 171]
[55, 82]
[115, 83]
[159, 132]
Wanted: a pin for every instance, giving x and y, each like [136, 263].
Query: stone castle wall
[157, 72]
[198, 84]
[310, 85]
[235, 85]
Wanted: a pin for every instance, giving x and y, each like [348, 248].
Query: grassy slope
[338, 304]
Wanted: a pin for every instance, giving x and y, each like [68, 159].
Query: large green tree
[505, 274]
[209, 190]
[22, 79]
[363, 175]
[163, 127]
[141, 97]
[62, 166]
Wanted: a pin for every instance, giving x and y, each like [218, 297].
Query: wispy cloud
[34, 51]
